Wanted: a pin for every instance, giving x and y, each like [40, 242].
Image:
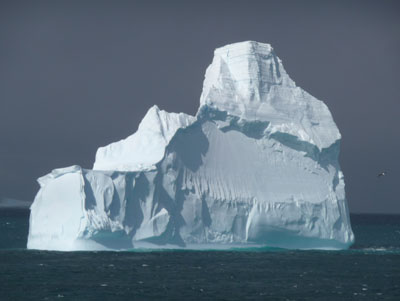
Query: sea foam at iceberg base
[257, 166]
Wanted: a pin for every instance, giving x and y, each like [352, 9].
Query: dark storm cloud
[78, 75]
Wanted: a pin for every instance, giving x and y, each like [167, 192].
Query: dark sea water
[368, 271]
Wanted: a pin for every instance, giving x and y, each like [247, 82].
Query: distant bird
[382, 174]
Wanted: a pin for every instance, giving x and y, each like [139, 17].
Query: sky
[76, 75]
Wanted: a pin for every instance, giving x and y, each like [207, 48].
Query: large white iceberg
[257, 166]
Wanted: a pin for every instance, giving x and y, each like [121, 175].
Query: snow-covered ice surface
[257, 166]
[145, 148]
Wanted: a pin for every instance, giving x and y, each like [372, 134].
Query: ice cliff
[257, 166]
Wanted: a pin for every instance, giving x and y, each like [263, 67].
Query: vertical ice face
[258, 166]
[58, 213]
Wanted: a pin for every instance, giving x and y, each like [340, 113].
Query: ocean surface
[370, 270]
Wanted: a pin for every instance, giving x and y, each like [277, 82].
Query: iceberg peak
[145, 148]
[245, 47]
[249, 81]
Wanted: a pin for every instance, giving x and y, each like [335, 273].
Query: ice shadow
[190, 145]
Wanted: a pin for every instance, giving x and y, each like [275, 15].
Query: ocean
[370, 270]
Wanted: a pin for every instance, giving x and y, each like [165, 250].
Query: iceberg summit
[256, 167]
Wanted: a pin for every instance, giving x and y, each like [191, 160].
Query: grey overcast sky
[76, 75]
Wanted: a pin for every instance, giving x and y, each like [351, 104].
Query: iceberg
[8, 203]
[256, 167]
